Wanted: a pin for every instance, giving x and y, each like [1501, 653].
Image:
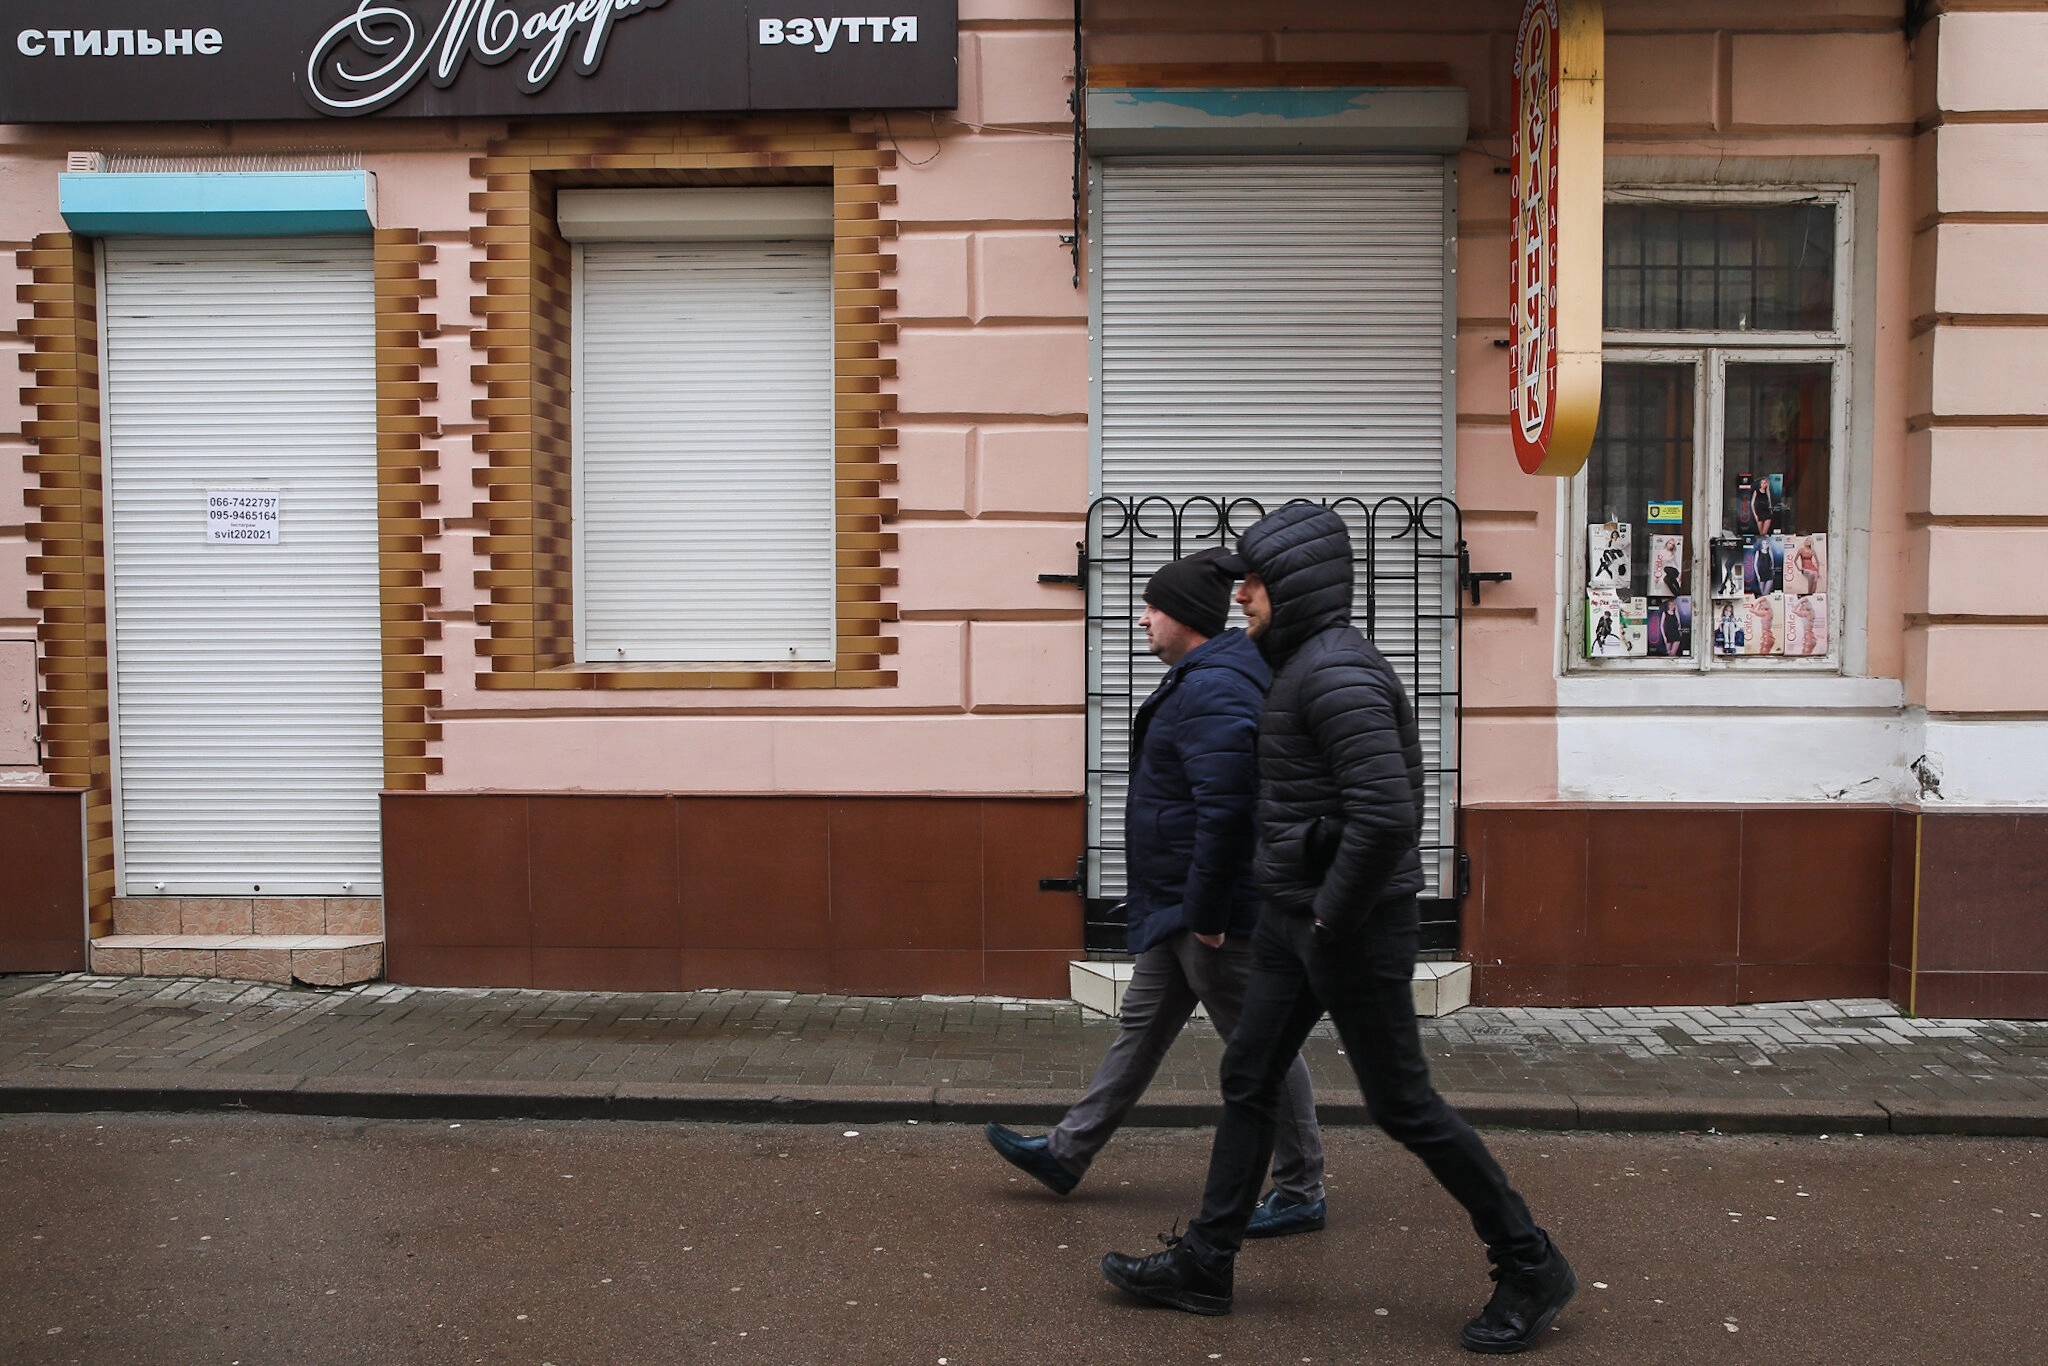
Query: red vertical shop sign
[1554, 278]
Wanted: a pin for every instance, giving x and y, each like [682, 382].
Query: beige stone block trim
[116, 962]
[404, 493]
[216, 915]
[270, 916]
[256, 965]
[63, 462]
[526, 538]
[338, 967]
[178, 962]
[238, 941]
[146, 915]
[290, 916]
[319, 960]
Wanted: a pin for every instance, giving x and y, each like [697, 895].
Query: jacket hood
[1233, 649]
[1303, 555]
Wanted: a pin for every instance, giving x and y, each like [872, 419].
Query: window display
[1806, 624]
[1606, 638]
[1635, 626]
[1715, 451]
[1728, 627]
[1727, 567]
[1762, 563]
[1806, 564]
[1607, 552]
[1763, 624]
[1671, 627]
[1642, 462]
[1667, 565]
[1776, 447]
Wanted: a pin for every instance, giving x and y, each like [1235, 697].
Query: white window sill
[1728, 692]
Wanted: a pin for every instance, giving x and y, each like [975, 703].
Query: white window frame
[1709, 352]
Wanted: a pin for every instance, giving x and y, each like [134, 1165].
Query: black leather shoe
[1174, 1278]
[1525, 1300]
[1277, 1216]
[1030, 1155]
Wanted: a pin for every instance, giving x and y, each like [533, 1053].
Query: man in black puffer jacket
[1190, 894]
[1340, 814]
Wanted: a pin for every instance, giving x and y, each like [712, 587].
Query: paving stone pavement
[1815, 1051]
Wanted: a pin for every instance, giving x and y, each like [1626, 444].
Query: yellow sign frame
[1559, 192]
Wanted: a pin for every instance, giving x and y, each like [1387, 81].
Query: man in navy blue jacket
[1192, 899]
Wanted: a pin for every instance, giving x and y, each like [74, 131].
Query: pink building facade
[1822, 241]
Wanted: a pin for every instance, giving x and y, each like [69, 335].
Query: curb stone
[737, 1103]
[1734, 1115]
[1495, 1110]
[428, 1098]
[1984, 1118]
[50, 1091]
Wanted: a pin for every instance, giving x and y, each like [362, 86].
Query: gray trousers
[1166, 981]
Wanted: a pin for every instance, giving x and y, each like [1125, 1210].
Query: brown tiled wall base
[1672, 905]
[42, 879]
[864, 895]
[1975, 939]
[1945, 912]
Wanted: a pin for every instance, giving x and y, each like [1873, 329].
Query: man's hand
[1214, 941]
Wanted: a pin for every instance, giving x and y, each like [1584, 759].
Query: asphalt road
[257, 1239]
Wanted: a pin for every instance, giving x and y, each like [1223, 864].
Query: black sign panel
[71, 61]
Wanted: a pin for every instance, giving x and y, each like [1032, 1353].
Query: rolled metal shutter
[247, 679]
[1271, 330]
[704, 472]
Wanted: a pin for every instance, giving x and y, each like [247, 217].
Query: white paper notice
[242, 516]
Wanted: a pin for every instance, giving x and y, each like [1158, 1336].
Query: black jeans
[1364, 982]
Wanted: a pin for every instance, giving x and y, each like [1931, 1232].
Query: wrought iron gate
[1411, 563]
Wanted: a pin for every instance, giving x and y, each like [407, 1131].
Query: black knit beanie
[1194, 591]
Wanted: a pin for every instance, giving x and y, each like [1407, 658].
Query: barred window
[1753, 268]
[1709, 502]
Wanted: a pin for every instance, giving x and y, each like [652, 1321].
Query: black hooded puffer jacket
[1340, 755]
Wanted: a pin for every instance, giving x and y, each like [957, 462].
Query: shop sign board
[1555, 274]
[111, 61]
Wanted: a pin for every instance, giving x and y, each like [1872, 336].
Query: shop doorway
[1270, 330]
[241, 491]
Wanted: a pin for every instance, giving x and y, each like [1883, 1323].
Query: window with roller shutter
[704, 472]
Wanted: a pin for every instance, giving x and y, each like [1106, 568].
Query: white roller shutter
[1272, 330]
[704, 472]
[246, 678]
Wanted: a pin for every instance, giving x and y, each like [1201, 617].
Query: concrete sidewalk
[77, 1042]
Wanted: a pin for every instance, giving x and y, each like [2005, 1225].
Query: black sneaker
[1175, 1278]
[1277, 1216]
[1525, 1300]
[1031, 1155]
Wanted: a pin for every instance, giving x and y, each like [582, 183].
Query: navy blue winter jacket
[1194, 779]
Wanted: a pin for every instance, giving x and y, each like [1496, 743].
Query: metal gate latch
[1066, 884]
[1470, 578]
[1079, 578]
